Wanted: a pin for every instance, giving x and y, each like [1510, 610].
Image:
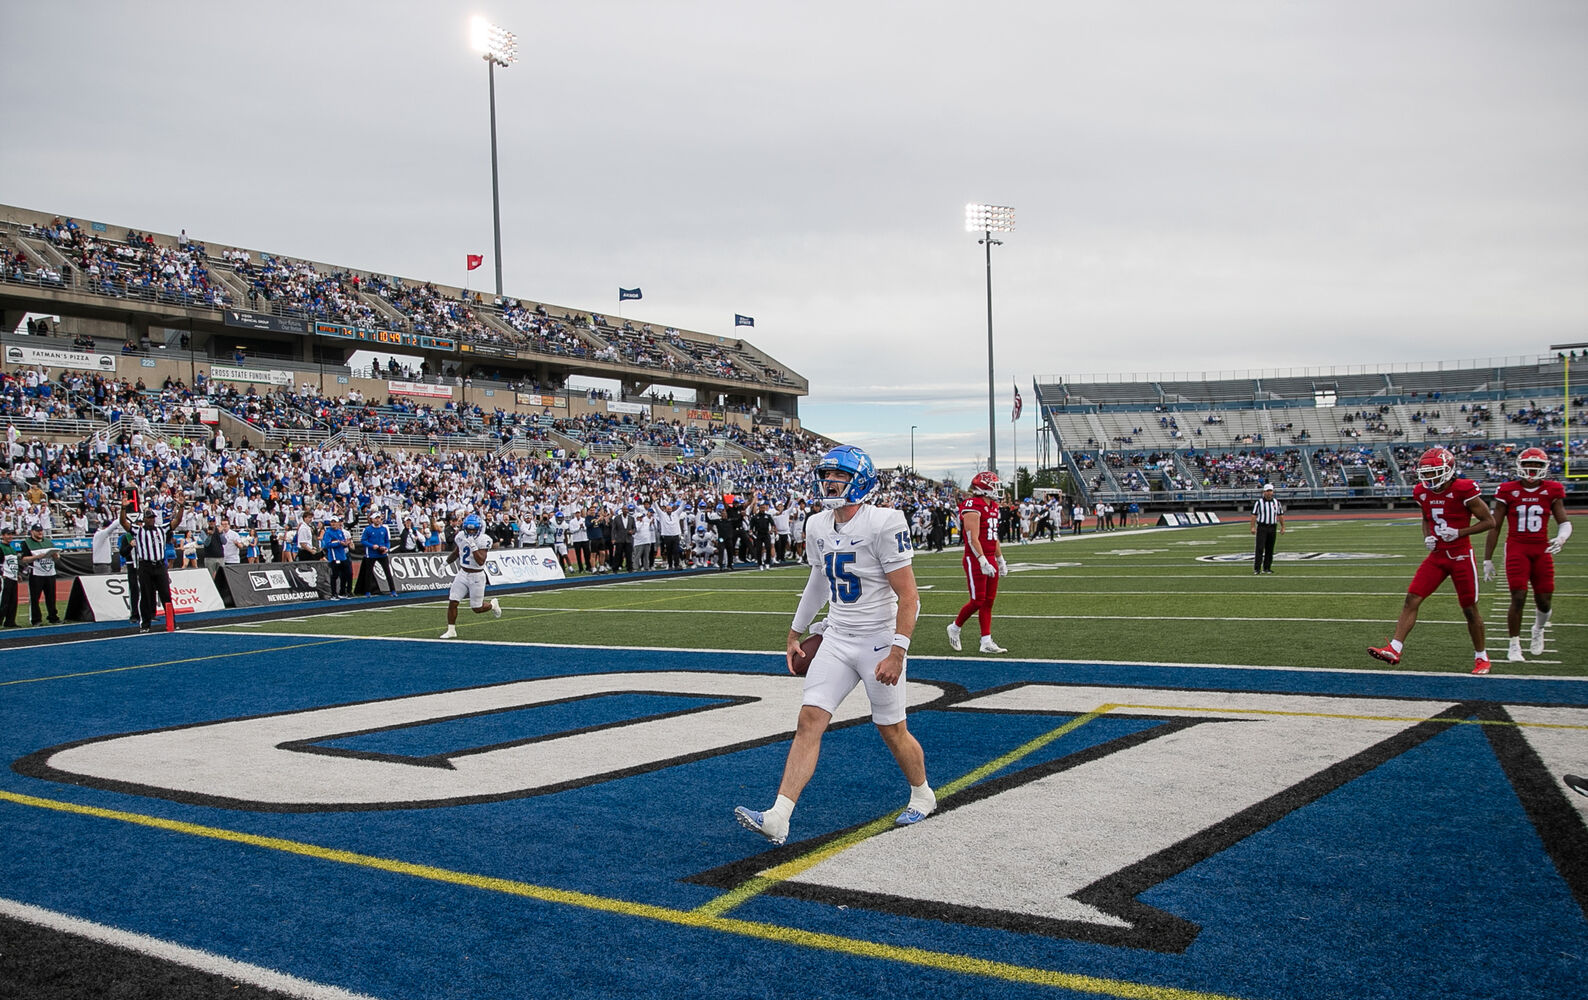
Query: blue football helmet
[862, 476]
[473, 523]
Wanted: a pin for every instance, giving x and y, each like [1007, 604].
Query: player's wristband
[902, 641]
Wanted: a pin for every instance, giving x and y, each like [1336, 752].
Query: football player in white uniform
[470, 548]
[860, 558]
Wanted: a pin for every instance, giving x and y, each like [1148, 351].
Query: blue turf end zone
[1427, 858]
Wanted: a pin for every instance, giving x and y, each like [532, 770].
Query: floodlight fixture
[499, 47]
[989, 218]
[495, 43]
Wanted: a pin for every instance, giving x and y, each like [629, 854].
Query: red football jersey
[1528, 509]
[1447, 506]
[988, 509]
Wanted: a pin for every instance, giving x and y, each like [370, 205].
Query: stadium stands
[1329, 436]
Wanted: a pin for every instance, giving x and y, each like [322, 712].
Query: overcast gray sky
[1200, 186]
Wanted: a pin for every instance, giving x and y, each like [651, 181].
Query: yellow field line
[170, 663]
[944, 961]
[1367, 718]
[758, 884]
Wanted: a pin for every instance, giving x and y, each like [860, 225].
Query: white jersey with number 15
[854, 559]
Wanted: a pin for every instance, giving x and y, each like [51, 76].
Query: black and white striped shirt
[149, 544]
[1267, 510]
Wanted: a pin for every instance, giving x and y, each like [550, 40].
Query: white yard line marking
[168, 951]
[1368, 671]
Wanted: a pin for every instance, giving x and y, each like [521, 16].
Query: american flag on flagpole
[1016, 415]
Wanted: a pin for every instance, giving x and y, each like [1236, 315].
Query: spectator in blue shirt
[376, 540]
[334, 543]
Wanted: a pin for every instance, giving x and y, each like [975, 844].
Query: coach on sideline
[376, 540]
[1268, 515]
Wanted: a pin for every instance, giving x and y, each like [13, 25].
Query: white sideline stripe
[939, 659]
[193, 958]
[1040, 618]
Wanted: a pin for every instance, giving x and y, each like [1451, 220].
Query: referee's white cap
[1267, 487]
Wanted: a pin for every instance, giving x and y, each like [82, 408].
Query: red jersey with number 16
[987, 531]
[1447, 507]
[1528, 509]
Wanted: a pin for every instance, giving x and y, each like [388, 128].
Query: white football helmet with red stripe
[986, 484]
[1436, 468]
[1532, 465]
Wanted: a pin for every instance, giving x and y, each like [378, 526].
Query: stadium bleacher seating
[1327, 436]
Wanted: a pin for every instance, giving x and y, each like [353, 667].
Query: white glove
[1003, 566]
[987, 568]
[1488, 571]
[1430, 541]
[1561, 534]
[1447, 533]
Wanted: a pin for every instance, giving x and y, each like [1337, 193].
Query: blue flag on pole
[629, 293]
[743, 320]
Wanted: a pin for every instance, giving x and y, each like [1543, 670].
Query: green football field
[1173, 595]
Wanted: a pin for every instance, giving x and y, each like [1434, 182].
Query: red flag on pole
[1016, 415]
[475, 260]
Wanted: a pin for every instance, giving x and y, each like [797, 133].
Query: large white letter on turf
[268, 762]
[1069, 845]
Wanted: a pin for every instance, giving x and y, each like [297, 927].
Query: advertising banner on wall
[105, 598]
[265, 321]
[431, 571]
[419, 389]
[536, 399]
[253, 376]
[51, 357]
[614, 406]
[269, 584]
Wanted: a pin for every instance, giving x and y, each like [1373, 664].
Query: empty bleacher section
[1336, 435]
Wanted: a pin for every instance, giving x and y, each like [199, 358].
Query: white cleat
[1514, 654]
[496, 608]
[450, 633]
[1536, 647]
[988, 646]
[953, 638]
[766, 825]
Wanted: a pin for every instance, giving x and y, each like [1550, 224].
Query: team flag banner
[743, 320]
[1016, 414]
[629, 293]
[474, 260]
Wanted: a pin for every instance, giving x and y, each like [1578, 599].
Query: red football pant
[1439, 565]
[983, 591]
[1529, 563]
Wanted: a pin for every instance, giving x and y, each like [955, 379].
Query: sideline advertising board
[255, 585]
[105, 598]
[430, 570]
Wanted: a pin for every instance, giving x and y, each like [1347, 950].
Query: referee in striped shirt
[1268, 520]
[148, 548]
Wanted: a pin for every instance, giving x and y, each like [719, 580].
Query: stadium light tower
[498, 47]
[989, 219]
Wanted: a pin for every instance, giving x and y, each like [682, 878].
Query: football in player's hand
[807, 652]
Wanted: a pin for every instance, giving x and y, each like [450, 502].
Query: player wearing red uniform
[1453, 510]
[1525, 506]
[978, 520]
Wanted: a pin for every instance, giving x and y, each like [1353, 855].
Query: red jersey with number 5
[987, 531]
[1528, 509]
[1447, 507]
